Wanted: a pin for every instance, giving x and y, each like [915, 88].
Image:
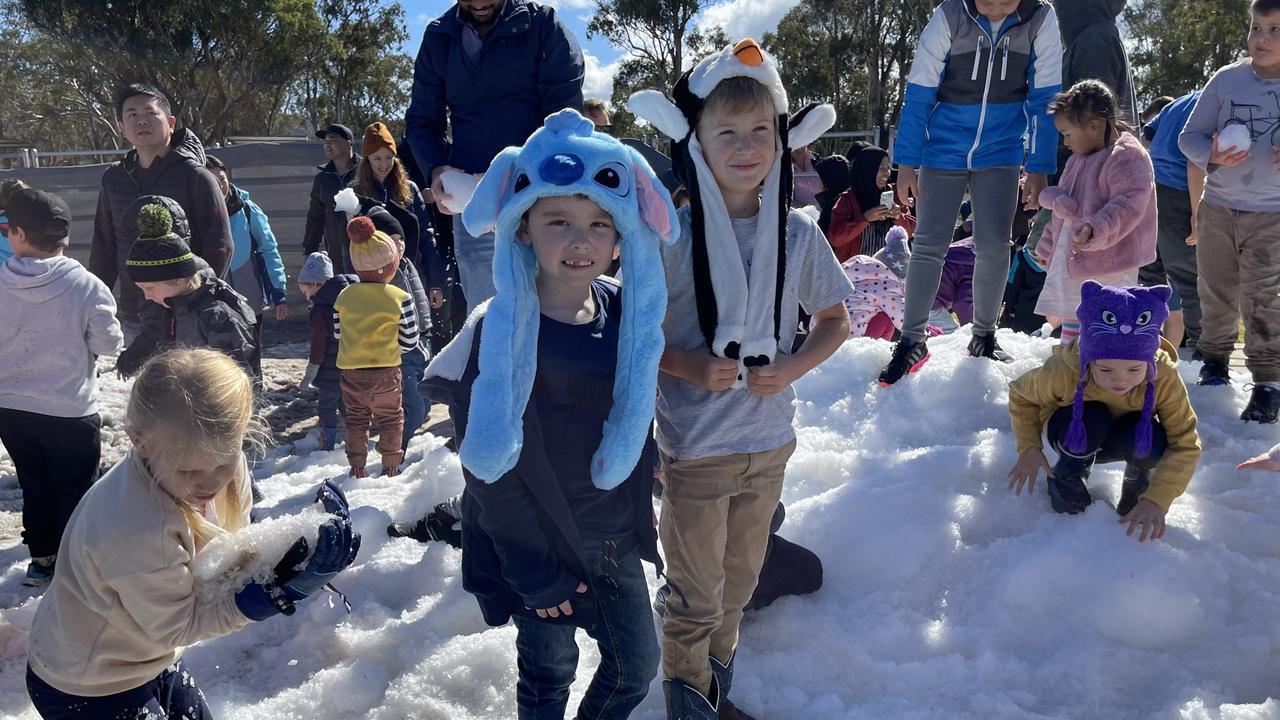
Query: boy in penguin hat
[743, 267]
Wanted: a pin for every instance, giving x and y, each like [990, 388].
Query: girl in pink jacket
[1104, 207]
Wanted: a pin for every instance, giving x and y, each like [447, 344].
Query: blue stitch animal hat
[566, 157]
[1118, 323]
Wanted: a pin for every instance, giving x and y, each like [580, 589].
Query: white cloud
[598, 82]
[746, 18]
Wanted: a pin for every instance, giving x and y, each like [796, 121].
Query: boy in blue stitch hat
[551, 385]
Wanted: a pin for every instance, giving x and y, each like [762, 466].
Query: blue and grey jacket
[257, 271]
[975, 93]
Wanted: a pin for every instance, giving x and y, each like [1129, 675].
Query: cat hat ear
[566, 158]
[1118, 323]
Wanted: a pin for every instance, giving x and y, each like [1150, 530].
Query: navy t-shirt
[574, 393]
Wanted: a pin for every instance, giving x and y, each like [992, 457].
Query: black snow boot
[1067, 490]
[1264, 405]
[907, 358]
[724, 679]
[685, 703]
[985, 346]
[1136, 480]
[1214, 373]
[439, 525]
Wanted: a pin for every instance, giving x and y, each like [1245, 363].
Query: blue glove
[335, 551]
[330, 495]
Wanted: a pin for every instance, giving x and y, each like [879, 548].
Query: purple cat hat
[1119, 323]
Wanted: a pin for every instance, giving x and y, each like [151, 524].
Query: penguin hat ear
[809, 123]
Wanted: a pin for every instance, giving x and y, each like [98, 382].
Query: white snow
[946, 597]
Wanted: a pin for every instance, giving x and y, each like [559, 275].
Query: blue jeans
[624, 632]
[412, 366]
[330, 406]
[172, 695]
[475, 264]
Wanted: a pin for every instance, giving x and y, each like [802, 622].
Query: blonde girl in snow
[108, 635]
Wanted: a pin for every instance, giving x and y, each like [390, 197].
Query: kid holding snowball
[107, 638]
[1111, 395]
[1231, 135]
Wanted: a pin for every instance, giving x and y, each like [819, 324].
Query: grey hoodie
[56, 317]
[1094, 49]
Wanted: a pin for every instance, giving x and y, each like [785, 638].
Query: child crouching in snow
[1112, 395]
[552, 385]
[876, 304]
[107, 638]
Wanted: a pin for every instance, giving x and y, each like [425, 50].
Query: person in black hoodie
[165, 160]
[1094, 50]
[188, 306]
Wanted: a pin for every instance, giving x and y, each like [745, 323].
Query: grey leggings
[994, 193]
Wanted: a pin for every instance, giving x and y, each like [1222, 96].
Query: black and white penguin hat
[739, 311]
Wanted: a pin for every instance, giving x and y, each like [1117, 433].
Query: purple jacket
[1114, 190]
[955, 291]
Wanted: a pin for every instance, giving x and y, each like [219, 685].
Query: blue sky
[739, 18]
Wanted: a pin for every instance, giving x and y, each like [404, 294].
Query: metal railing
[30, 157]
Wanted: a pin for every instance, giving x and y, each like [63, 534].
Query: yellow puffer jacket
[1038, 394]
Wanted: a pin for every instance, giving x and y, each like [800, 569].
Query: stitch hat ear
[481, 214]
[656, 209]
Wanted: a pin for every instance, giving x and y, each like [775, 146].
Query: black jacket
[1092, 48]
[324, 224]
[180, 175]
[322, 302]
[521, 548]
[213, 316]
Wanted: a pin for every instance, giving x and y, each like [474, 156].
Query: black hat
[341, 131]
[159, 254]
[40, 213]
[385, 222]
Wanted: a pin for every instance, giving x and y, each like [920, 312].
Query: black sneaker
[1067, 490]
[987, 347]
[1135, 483]
[1264, 405]
[907, 358]
[439, 525]
[1214, 374]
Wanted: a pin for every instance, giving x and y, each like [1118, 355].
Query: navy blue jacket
[322, 322]
[533, 558]
[529, 67]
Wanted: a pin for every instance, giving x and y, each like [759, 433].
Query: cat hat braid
[1118, 323]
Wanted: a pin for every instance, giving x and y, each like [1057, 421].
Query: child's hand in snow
[1150, 516]
[1024, 472]
[1269, 460]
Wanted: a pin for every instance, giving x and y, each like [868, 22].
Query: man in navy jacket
[491, 71]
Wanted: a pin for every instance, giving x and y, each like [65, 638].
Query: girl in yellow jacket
[107, 638]
[1112, 395]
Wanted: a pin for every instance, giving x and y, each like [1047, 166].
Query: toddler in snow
[376, 323]
[108, 635]
[1111, 395]
[189, 306]
[875, 306]
[1231, 136]
[57, 316]
[1104, 206]
[320, 287]
[551, 385]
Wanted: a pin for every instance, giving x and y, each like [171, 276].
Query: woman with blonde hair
[107, 638]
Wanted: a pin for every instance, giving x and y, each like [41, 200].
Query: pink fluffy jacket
[1114, 190]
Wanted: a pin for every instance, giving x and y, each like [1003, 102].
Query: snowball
[461, 186]
[1233, 138]
[250, 555]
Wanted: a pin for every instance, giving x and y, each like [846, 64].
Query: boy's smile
[738, 148]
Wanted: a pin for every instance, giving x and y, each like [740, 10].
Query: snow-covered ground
[945, 596]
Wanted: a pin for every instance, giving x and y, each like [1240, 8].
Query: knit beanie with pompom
[370, 250]
[159, 253]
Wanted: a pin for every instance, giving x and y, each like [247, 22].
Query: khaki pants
[1238, 254]
[373, 393]
[714, 531]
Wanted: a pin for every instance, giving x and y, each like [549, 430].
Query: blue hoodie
[975, 92]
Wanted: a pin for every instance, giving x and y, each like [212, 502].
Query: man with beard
[490, 71]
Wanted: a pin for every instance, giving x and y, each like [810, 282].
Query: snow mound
[234, 560]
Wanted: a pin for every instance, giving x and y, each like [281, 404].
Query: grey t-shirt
[696, 423]
[1236, 95]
